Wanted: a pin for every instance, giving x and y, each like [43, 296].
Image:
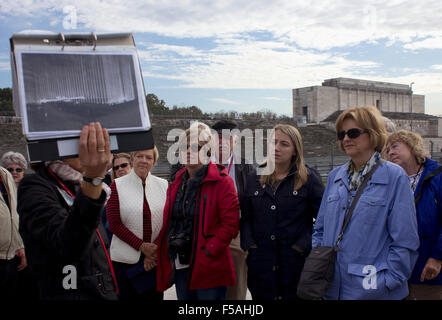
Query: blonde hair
[413, 141]
[301, 175]
[370, 119]
[156, 154]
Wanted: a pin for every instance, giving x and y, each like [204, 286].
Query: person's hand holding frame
[94, 154]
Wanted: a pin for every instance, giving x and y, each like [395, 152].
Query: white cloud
[243, 63]
[5, 66]
[315, 24]
[275, 99]
[35, 31]
[224, 101]
[430, 43]
[163, 76]
[279, 44]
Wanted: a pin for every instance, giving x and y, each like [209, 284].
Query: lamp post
[411, 109]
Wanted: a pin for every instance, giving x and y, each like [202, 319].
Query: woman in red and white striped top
[135, 215]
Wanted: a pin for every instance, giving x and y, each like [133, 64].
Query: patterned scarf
[67, 173]
[356, 178]
[64, 171]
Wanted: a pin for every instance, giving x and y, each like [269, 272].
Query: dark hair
[224, 124]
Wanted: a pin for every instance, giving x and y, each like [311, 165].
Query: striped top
[117, 227]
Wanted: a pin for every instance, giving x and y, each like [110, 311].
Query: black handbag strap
[355, 201]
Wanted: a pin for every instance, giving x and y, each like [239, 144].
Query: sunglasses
[15, 169]
[351, 133]
[123, 165]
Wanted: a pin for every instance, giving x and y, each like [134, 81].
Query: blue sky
[247, 55]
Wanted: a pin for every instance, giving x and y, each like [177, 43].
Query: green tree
[6, 106]
[155, 105]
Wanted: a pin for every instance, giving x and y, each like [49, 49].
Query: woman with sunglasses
[378, 249]
[121, 165]
[201, 218]
[406, 149]
[16, 164]
[135, 215]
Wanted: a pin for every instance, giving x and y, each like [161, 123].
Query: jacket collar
[342, 174]
[134, 177]
[214, 172]
[292, 170]
[429, 166]
[378, 177]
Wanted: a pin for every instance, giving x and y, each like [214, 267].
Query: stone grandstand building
[323, 104]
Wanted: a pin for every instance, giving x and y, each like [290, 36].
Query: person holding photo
[59, 208]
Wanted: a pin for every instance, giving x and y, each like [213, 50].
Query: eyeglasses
[15, 169]
[123, 165]
[352, 133]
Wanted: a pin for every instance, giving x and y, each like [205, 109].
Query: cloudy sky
[247, 55]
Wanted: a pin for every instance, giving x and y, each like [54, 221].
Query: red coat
[218, 210]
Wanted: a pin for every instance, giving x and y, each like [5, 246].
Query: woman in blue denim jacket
[379, 247]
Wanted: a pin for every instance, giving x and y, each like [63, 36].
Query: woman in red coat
[201, 217]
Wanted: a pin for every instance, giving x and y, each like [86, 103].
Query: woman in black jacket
[60, 208]
[277, 218]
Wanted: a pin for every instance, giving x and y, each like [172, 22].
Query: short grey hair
[389, 125]
[13, 157]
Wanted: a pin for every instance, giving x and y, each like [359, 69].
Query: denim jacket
[379, 247]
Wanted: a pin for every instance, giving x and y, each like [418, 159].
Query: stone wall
[11, 137]
[318, 139]
[320, 147]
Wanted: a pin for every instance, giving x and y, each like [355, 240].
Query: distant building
[323, 104]
[316, 103]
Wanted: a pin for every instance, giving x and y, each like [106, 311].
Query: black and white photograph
[64, 91]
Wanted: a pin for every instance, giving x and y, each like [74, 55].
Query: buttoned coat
[280, 225]
[379, 246]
